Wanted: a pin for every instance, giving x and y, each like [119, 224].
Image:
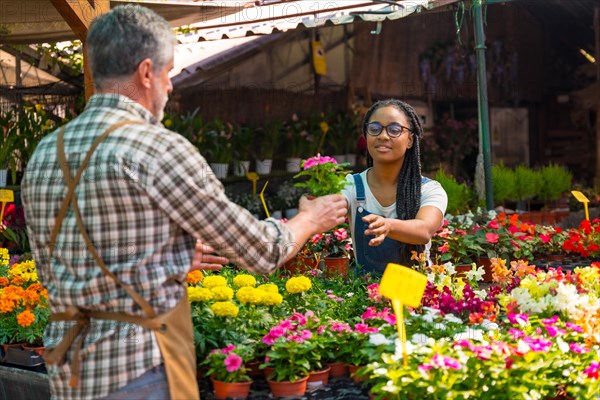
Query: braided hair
[408, 191]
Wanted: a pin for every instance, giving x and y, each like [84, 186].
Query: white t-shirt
[432, 194]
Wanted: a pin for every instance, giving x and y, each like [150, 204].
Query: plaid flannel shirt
[145, 197]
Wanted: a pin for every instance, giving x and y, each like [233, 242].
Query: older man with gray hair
[116, 206]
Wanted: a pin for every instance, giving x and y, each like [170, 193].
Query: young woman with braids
[394, 210]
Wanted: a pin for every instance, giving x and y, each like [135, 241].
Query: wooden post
[597, 36]
[79, 14]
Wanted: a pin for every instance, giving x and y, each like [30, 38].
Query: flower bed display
[533, 332]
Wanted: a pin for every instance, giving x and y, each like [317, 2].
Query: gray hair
[119, 40]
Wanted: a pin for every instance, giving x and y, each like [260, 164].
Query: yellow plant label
[404, 284]
[7, 196]
[580, 196]
[252, 177]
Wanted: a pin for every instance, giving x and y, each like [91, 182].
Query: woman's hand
[378, 227]
[204, 258]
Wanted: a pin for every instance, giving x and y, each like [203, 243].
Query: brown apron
[173, 328]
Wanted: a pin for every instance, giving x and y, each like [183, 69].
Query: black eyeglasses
[393, 130]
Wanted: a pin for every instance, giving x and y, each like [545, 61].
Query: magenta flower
[517, 319]
[516, 333]
[573, 327]
[318, 159]
[577, 348]
[233, 362]
[593, 370]
[493, 224]
[228, 349]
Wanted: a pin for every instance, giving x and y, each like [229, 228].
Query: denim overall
[373, 259]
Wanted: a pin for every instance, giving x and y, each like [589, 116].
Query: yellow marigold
[25, 270]
[26, 318]
[224, 309]
[244, 280]
[212, 281]
[272, 299]
[222, 293]
[196, 294]
[269, 288]
[195, 277]
[250, 295]
[298, 284]
[4, 256]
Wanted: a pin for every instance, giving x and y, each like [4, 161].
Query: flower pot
[318, 378]
[487, 267]
[220, 169]
[234, 390]
[267, 371]
[293, 164]
[40, 350]
[352, 370]
[336, 266]
[3, 177]
[338, 369]
[340, 158]
[240, 168]
[287, 388]
[253, 368]
[462, 269]
[291, 212]
[351, 159]
[263, 167]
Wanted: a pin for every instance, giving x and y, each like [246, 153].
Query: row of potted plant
[223, 142]
[465, 237]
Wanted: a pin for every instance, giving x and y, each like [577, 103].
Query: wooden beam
[79, 14]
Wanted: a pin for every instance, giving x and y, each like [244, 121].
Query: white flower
[449, 268]
[481, 294]
[470, 333]
[475, 274]
[378, 339]
[350, 294]
[489, 325]
[562, 345]
[419, 338]
[452, 318]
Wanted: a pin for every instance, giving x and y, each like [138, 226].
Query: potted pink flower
[227, 371]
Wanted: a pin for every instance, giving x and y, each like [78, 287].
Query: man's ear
[144, 73]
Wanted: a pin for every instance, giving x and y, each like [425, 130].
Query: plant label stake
[402, 286]
[581, 198]
[252, 177]
[262, 199]
[6, 196]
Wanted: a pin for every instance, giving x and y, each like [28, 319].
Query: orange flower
[6, 305]
[195, 277]
[26, 318]
[3, 281]
[17, 280]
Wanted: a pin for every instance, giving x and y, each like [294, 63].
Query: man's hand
[324, 213]
[204, 258]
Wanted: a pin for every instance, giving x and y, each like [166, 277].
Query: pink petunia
[233, 362]
[492, 237]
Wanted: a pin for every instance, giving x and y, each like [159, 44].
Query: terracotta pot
[338, 369]
[461, 269]
[268, 371]
[556, 257]
[352, 370]
[487, 267]
[336, 266]
[40, 350]
[287, 388]
[318, 378]
[252, 368]
[235, 390]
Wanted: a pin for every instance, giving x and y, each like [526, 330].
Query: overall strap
[360, 188]
[70, 199]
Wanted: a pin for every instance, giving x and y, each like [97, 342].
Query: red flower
[491, 237]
